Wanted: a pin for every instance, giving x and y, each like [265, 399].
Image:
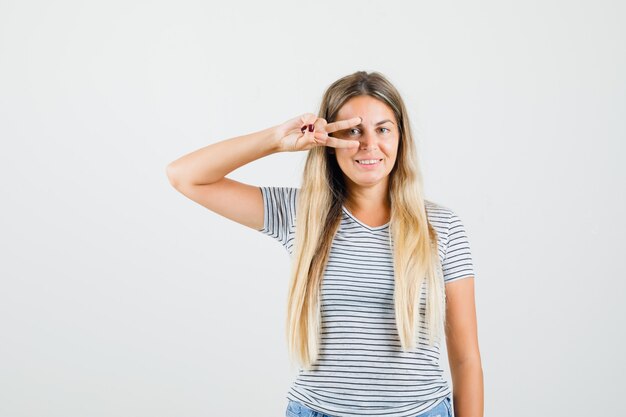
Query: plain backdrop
[121, 297]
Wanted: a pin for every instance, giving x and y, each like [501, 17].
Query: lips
[369, 160]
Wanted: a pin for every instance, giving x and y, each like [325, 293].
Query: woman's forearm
[468, 390]
[211, 163]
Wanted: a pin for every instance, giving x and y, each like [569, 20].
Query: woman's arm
[211, 163]
[200, 176]
[463, 351]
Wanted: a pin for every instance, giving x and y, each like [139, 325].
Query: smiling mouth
[368, 161]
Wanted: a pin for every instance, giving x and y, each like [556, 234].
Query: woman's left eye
[385, 128]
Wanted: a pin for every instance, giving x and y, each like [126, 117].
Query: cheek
[343, 155]
[390, 149]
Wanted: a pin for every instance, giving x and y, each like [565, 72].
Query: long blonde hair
[413, 240]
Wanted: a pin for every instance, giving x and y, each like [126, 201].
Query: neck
[368, 199]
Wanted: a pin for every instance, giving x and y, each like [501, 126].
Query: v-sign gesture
[307, 131]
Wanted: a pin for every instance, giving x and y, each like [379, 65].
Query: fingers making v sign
[307, 131]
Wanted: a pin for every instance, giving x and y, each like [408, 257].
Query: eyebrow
[379, 123]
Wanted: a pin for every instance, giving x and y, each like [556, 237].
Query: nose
[368, 141]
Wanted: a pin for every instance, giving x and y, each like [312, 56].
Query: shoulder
[279, 192]
[439, 216]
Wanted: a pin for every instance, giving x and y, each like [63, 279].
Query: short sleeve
[457, 263]
[279, 208]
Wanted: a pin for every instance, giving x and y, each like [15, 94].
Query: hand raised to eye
[307, 131]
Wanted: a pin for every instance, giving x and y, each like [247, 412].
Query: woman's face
[379, 136]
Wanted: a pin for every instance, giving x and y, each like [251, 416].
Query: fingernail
[303, 128]
[310, 128]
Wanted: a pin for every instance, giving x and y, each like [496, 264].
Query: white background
[120, 297]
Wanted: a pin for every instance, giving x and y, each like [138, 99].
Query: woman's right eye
[351, 130]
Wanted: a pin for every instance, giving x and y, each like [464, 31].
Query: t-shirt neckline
[353, 217]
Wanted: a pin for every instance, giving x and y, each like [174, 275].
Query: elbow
[467, 362]
[170, 172]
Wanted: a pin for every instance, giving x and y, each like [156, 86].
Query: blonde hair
[413, 240]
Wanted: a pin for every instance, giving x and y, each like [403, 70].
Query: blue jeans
[296, 409]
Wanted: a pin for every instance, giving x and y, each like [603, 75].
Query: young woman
[379, 273]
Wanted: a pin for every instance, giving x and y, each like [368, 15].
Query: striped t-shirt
[361, 369]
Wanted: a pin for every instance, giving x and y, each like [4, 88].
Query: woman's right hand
[295, 135]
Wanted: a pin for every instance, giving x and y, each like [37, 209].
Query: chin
[367, 182]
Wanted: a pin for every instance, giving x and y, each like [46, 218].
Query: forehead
[370, 109]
